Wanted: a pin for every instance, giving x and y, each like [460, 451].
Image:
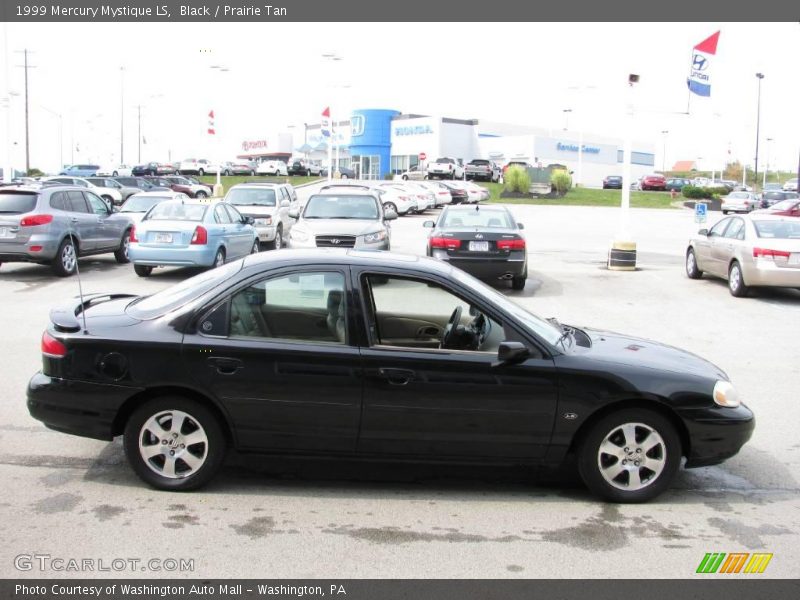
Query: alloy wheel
[631, 456]
[68, 258]
[172, 443]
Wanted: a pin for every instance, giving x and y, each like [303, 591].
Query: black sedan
[152, 168]
[459, 195]
[344, 173]
[345, 353]
[484, 241]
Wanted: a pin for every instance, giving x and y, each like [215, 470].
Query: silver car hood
[341, 226]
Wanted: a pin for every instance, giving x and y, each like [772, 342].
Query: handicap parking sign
[700, 212]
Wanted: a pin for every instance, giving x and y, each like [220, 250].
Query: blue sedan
[181, 233]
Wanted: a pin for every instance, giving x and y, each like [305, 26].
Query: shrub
[34, 172]
[561, 181]
[693, 192]
[517, 180]
[389, 176]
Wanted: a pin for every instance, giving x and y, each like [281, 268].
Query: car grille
[336, 241]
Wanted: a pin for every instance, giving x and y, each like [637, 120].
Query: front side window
[736, 230]
[303, 307]
[96, 205]
[412, 313]
[719, 228]
[221, 215]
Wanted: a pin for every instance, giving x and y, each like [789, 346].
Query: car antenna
[80, 285]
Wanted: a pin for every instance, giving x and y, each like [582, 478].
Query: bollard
[622, 256]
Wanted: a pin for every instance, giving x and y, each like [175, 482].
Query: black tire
[201, 195]
[724, 212]
[252, 173]
[518, 283]
[219, 258]
[277, 243]
[692, 270]
[666, 455]
[736, 284]
[199, 423]
[344, 176]
[256, 247]
[121, 253]
[405, 177]
[201, 172]
[142, 270]
[65, 262]
[115, 174]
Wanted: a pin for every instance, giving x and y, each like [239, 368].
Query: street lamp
[218, 190]
[664, 151]
[60, 135]
[333, 58]
[760, 76]
[122, 115]
[566, 112]
[766, 167]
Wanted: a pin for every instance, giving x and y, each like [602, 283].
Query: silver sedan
[739, 202]
[748, 251]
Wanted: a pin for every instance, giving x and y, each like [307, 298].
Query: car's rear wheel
[142, 270]
[692, 270]
[277, 243]
[219, 258]
[344, 176]
[736, 283]
[66, 260]
[115, 174]
[121, 253]
[629, 456]
[174, 443]
[201, 172]
[256, 248]
[518, 283]
[724, 212]
[390, 206]
[201, 195]
[405, 177]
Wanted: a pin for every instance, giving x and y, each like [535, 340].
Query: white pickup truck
[445, 168]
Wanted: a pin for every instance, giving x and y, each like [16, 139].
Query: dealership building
[376, 142]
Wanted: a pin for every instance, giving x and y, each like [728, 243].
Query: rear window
[782, 230]
[14, 203]
[165, 301]
[177, 211]
[483, 219]
[479, 162]
[251, 197]
[445, 160]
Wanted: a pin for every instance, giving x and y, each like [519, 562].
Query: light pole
[122, 115]
[139, 121]
[760, 76]
[766, 166]
[218, 189]
[664, 151]
[60, 135]
[566, 112]
[333, 165]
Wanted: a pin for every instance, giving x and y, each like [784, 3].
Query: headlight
[299, 234]
[726, 395]
[263, 221]
[374, 238]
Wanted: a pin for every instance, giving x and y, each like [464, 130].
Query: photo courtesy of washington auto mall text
[449, 300]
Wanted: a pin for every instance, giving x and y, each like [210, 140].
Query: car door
[82, 221]
[729, 244]
[109, 231]
[705, 247]
[424, 401]
[240, 230]
[278, 353]
[224, 228]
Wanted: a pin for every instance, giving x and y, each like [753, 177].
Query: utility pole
[139, 110]
[122, 115]
[760, 76]
[26, 66]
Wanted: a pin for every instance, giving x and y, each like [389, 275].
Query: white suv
[446, 168]
[196, 166]
[269, 205]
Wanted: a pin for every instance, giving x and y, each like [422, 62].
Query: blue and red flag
[699, 80]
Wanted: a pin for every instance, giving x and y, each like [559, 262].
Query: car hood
[638, 352]
[256, 211]
[340, 226]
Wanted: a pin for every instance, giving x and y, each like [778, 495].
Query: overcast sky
[525, 73]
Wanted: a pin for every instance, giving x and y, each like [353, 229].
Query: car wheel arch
[131, 404]
[656, 406]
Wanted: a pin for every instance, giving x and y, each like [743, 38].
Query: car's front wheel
[174, 443]
[201, 172]
[201, 195]
[629, 456]
[692, 270]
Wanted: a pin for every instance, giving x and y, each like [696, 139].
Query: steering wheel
[455, 319]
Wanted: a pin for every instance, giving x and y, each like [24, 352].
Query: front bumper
[716, 434]
[76, 407]
[187, 256]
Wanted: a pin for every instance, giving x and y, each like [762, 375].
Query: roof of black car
[344, 256]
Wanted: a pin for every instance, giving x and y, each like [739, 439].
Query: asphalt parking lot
[76, 498]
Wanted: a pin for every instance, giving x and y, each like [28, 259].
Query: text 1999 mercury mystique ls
[373, 354]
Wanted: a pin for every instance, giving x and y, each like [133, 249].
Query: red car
[784, 208]
[653, 182]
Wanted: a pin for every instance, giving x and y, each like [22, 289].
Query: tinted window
[59, 201]
[479, 162]
[236, 216]
[735, 230]
[15, 203]
[476, 218]
[221, 215]
[77, 202]
[251, 197]
[785, 230]
[445, 160]
[292, 307]
[341, 207]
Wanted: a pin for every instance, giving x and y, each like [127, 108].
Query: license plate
[5, 232]
[479, 246]
[163, 238]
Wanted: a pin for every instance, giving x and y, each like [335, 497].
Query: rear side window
[15, 203]
[59, 201]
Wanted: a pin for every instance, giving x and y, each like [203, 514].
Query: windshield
[341, 207]
[160, 303]
[251, 197]
[484, 219]
[736, 195]
[784, 205]
[16, 203]
[781, 230]
[479, 162]
[177, 211]
[544, 329]
[142, 204]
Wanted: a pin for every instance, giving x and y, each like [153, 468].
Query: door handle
[396, 376]
[74, 219]
[224, 366]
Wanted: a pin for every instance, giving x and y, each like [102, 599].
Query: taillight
[770, 254]
[133, 237]
[445, 243]
[511, 244]
[52, 347]
[34, 220]
[200, 235]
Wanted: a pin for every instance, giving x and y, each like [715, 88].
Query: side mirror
[248, 220]
[294, 213]
[429, 224]
[521, 225]
[389, 215]
[285, 203]
[703, 232]
[511, 352]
